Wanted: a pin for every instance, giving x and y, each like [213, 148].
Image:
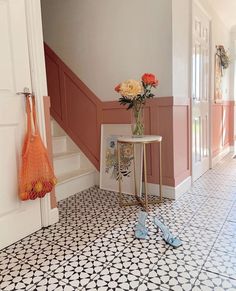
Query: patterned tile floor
[93, 246]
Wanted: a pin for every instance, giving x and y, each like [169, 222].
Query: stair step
[59, 144]
[73, 175]
[56, 130]
[72, 168]
[66, 162]
[64, 155]
[74, 182]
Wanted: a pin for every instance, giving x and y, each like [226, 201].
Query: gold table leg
[160, 171]
[119, 174]
[145, 177]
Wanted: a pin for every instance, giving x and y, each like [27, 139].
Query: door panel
[200, 92]
[17, 219]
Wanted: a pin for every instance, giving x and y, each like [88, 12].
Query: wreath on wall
[223, 57]
[222, 62]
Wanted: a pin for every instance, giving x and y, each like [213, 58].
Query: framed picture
[108, 160]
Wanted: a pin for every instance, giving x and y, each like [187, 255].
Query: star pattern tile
[93, 246]
[213, 282]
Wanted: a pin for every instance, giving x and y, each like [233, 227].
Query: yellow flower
[128, 150]
[130, 88]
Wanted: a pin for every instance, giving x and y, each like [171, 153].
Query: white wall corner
[171, 192]
[221, 155]
[53, 216]
[97, 178]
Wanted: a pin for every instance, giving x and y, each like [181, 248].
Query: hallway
[93, 246]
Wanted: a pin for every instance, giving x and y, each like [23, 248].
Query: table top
[142, 139]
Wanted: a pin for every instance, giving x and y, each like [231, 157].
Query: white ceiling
[226, 9]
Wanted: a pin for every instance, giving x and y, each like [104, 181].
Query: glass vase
[137, 121]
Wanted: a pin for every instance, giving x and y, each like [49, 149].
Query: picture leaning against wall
[108, 160]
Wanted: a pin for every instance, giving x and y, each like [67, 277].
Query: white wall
[181, 18]
[181, 30]
[107, 41]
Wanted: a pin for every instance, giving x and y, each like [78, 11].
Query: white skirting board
[53, 216]
[221, 155]
[171, 192]
[168, 191]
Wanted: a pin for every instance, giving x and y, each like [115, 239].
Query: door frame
[39, 87]
[196, 2]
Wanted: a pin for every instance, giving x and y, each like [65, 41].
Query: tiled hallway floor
[93, 246]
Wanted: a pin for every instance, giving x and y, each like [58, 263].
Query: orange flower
[117, 88]
[150, 79]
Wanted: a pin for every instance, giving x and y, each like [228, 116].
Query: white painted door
[200, 92]
[17, 219]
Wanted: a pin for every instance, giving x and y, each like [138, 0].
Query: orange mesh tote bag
[36, 175]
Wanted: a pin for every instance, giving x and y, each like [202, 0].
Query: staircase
[73, 170]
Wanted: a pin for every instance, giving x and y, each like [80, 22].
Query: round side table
[143, 141]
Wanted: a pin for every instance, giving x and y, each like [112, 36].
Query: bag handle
[31, 116]
[28, 111]
[34, 115]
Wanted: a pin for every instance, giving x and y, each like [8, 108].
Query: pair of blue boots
[141, 231]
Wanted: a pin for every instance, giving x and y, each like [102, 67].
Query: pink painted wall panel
[216, 128]
[222, 126]
[231, 123]
[81, 116]
[226, 135]
[115, 116]
[164, 123]
[53, 77]
[181, 143]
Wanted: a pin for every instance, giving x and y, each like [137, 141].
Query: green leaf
[130, 106]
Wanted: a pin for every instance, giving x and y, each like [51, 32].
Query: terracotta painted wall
[181, 139]
[222, 126]
[80, 113]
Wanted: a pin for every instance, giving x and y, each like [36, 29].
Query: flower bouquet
[134, 94]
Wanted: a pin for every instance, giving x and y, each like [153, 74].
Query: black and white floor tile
[226, 243]
[221, 263]
[198, 235]
[93, 247]
[213, 282]
[192, 254]
[21, 277]
[78, 271]
[229, 228]
[111, 278]
[7, 262]
[49, 283]
[173, 274]
[136, 261]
